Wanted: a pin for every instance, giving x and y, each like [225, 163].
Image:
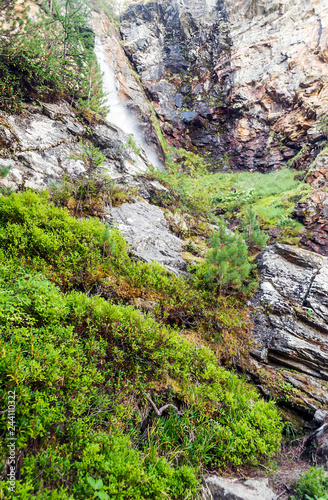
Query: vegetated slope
[214, 195]
[89, 369]
[47, 53]
[84, 369]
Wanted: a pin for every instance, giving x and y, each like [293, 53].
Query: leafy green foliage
[79, 367]
[4, 171]
[272, 196]
[86, 255]
[48, 58]
[323, 125]
[44, 236]
[227, 264]
[313, 485]
[253, 236]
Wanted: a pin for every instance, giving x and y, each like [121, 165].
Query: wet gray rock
[221, 488]
[130, 91]
[43, 144]
[147, 233]
[255, 73]
[40, 148]
[174, 46]
[290, 320]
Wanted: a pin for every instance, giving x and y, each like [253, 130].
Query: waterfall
[119, 114]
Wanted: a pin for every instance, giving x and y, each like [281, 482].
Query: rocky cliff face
[246, 82]
[130, 91]
[290, 327]
[45, 144]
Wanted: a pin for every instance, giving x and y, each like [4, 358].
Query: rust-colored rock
[246, 81]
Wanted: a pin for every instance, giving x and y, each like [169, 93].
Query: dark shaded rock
[255, 74]
[316, 445]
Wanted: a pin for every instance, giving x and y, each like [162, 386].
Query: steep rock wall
[246, 81]
[129, 90]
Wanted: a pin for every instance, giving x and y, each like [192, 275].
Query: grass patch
[272, 196]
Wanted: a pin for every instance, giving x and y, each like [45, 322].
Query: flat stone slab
[147, 232]
[221, 488]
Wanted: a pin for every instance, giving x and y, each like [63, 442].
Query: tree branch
[159, 412]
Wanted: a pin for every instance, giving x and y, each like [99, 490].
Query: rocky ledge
[46, 143]
[290, 327]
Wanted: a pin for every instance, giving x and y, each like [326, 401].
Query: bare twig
[159, 412]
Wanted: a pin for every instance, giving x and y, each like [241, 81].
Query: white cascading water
[119, 114]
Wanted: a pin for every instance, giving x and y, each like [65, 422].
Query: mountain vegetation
[48, 54]
[130, 381]
[84, 366]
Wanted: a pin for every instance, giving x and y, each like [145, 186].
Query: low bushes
[80, 368]
[86, 255]
[313, 485]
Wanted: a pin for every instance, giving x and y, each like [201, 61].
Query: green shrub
[227, 264]
[49, 58]
[80, 366]
[313, 485]
[35, 232]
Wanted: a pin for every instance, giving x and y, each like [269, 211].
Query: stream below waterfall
[119, 114]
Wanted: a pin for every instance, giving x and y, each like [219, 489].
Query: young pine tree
[251, 231]
[226, 265]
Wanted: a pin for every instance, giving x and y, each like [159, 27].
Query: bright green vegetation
[83, 365]
[109, 7]
[87, 256]
[227, 264]
[272, 196]
[254, 237]
[48, 55]
[313, 485]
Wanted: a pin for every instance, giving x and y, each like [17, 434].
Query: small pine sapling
[226, 265]
[255, 238]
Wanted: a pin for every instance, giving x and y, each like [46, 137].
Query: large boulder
[44, 143]
[224, 488]
[147, 232]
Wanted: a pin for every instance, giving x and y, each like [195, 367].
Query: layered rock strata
[291, 326]
[246, 82]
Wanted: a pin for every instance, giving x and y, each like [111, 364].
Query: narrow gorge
[164, 249]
